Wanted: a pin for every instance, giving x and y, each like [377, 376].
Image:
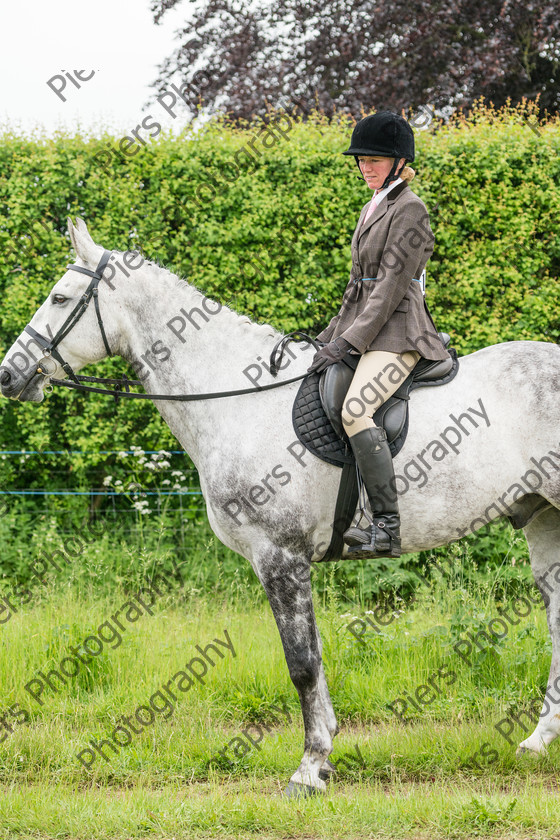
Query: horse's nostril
[5, 378]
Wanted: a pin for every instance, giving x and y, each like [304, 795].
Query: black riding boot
[382, 538]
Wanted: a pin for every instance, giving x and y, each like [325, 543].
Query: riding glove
[331, 353]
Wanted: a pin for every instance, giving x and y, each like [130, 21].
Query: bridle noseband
[49, 345]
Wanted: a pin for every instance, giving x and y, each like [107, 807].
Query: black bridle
[121, 386]
[49, 345]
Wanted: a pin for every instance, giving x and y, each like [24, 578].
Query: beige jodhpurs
[377, 377]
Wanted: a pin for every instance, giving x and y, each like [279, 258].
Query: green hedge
[262, 219]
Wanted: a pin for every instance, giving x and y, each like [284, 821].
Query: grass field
[209, 737]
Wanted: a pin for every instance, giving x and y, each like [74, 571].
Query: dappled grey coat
[383, 307]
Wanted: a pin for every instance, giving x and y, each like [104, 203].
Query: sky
[117, 39]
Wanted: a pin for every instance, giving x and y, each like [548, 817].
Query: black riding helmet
[385, 134]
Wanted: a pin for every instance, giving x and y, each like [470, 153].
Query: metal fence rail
[66, 492]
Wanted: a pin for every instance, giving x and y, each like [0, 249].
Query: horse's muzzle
[25, 389]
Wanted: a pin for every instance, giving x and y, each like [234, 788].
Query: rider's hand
[329, 354]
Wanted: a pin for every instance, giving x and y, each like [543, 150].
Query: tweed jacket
[383, 307]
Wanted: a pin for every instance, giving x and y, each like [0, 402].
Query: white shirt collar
[380, 195]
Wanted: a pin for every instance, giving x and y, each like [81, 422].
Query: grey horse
[485, 445]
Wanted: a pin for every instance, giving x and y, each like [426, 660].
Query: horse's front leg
[543, 537]
[286, 580]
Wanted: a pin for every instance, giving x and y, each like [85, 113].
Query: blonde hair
[407, 174]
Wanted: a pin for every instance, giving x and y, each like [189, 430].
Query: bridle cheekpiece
[49, 345]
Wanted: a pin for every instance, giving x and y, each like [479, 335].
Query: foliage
[360, 55]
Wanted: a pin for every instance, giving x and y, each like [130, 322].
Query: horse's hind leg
[286, 580]
[543, 536]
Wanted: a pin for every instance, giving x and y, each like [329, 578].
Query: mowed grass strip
[256, 808]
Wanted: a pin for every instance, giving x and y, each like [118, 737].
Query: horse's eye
[59, 299]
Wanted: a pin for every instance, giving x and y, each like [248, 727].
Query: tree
[349, 55]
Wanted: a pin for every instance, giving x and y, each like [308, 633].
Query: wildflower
[140, 505]
[107, 480]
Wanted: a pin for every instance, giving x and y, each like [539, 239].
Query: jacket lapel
[380, 211]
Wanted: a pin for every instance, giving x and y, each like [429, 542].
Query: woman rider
[383, 316]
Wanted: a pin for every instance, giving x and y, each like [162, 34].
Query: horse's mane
[242, 322]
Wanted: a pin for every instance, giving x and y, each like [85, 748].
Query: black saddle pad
[313, 427]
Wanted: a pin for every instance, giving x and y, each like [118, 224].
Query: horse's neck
[180, 342]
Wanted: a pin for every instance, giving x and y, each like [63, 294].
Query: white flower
[107, 480]
[122, 454]
[177, 474]
[165, 481]
[140, 505]
[118, 483]
[150, 465]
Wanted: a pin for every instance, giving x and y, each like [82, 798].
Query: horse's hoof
[521, 750]
[297, 791]
[327, 771]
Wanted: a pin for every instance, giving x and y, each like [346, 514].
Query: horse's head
[67, 331]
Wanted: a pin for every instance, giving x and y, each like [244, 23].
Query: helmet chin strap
[393, 174]
[360, 177]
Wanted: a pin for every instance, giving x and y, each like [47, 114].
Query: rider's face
[375, 169]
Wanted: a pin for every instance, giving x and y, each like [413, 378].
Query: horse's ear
[84, 246]
[72, 234]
